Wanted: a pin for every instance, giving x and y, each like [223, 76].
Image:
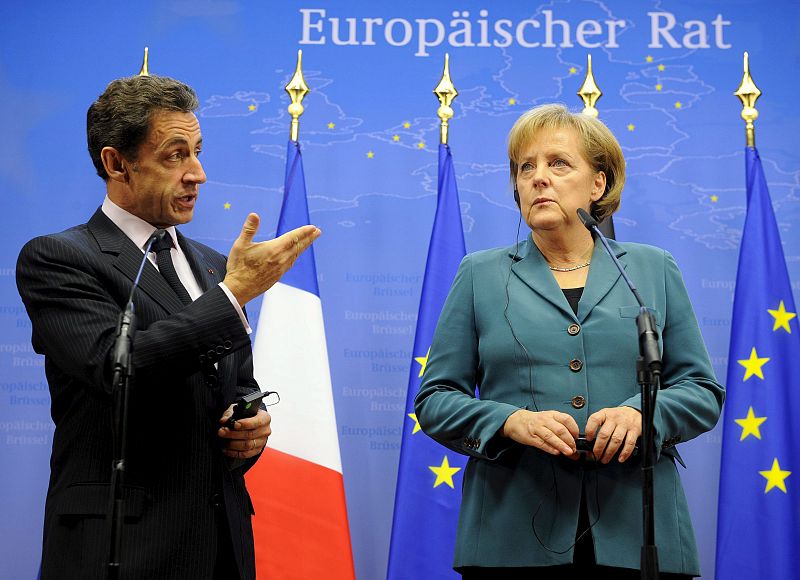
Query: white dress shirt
[139, 231]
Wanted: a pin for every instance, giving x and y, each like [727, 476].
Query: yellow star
[572, 70]
[331, 125]
[714, 198]
[512, 101]
[753, 365]
[775, 477]
[251, 107]
[659, 86]
[661, 67]
[649, 58]
[444, 473]
[370, 154]
[406, 125]
[631, 127]
[750, 425]
[227, 205]
[395, 138]
[416, 423]
[423, 361]
[678, 104]
[421, 145]
[782, 318]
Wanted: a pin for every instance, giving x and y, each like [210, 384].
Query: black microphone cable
[550, 458]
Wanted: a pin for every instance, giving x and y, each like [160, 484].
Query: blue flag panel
[428, 493]
[294, 213]
[758, 532]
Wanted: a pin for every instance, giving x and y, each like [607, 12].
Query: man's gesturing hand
[254, 267]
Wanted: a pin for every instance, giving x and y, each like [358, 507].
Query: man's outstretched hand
[253, 267]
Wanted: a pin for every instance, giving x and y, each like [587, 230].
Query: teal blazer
[507, 328]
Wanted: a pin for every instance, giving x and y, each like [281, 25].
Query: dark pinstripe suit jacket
[180, 493]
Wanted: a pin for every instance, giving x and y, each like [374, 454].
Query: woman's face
[554, 179]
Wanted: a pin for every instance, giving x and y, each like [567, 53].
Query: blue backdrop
[370, 137]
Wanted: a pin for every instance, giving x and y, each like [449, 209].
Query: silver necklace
[570, 269]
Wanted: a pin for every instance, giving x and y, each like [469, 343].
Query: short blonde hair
[601, 149]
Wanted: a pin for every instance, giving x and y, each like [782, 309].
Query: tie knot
[162, 242]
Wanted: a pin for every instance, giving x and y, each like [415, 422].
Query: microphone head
[587, 220]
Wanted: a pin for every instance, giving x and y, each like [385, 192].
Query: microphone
[122, 373]
[125, 329]
[648, 335]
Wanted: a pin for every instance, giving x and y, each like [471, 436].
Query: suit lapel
[531, 268]
[114, 242]
[205, 274]
[603, 275]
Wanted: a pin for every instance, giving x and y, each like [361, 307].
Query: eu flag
[758, 529]
[428, 492]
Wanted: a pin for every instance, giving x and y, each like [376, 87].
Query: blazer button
[573, 329]
[575, 365]
[220, 349]
[227, 344]
[578, 402]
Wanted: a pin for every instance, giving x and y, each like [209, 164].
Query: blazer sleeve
[690, 400]
[75, 316]
[446, 405]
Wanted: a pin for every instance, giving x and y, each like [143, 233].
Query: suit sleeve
[75, 317]
[446, 405]
[690, 400]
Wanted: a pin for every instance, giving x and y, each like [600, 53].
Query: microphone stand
[648, 375]
[122, 379]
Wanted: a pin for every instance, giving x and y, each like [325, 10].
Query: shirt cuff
[238, 308]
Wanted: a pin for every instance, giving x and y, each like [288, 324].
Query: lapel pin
[211, 271]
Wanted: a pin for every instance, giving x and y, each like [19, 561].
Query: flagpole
[589, 92]
[446, 92]
[748, 94]
[757, 527]
[297, 89]
[426, 511]
[300, 524]
[144, 71]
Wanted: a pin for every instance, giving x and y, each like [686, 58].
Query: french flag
[300, 526]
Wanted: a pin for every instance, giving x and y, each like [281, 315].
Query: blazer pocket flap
[633, 312]
[92, 499]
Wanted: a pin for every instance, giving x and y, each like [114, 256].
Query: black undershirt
[573, 296]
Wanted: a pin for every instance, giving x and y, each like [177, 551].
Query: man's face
[165, 178]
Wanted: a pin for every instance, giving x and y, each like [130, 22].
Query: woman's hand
[551, 431]
[618, 427]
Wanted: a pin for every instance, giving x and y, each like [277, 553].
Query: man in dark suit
[187, 511]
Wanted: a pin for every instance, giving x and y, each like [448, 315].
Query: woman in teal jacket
[536, 345]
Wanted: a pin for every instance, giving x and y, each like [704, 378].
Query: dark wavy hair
[120, 117]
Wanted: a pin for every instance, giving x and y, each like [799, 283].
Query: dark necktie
[162, 247]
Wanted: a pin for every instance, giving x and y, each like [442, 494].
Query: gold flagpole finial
[589, 92]
[748, 93]
[445, 92]
[297, 89]
[144, 72]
